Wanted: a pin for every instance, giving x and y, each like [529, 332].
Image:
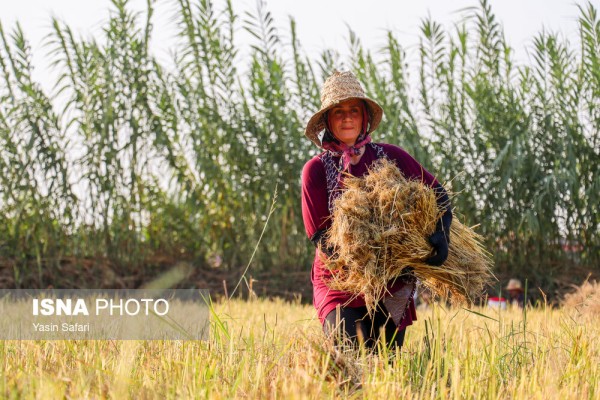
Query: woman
[342, 128]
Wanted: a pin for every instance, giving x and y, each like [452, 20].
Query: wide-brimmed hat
[339, 87]
[514, 284]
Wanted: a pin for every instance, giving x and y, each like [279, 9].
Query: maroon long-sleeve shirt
[315, 213]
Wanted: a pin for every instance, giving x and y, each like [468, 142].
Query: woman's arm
[315, 207]
[440, 239]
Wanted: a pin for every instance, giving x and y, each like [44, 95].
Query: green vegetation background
[145, 166]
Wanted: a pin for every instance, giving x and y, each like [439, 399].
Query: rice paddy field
[275, 349]
[150, 164]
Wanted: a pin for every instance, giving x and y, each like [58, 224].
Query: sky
[320, 24]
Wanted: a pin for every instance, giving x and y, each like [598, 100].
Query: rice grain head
[585, 299]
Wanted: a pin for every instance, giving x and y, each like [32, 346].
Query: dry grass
[585, 299]
[271, 349]
[381, 225]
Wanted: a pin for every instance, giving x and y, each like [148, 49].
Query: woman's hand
[319, 240]
[440, 245]
[440, 239]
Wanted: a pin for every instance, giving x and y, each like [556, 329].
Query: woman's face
[346, 119]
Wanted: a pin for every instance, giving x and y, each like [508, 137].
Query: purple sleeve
[315, 210]
[408, 165]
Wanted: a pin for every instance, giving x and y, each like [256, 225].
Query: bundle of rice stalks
[585, 299]
[381, 225]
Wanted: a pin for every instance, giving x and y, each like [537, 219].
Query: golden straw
[380, 228]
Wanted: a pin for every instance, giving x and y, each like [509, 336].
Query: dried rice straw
[381, 225]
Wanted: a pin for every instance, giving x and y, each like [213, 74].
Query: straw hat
[339, 87]
[514, 284]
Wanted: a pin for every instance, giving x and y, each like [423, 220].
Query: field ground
[275, 349]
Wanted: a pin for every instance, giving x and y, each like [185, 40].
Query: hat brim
[520, 289]
[316, 124]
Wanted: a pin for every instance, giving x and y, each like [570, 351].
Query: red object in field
[497, 302]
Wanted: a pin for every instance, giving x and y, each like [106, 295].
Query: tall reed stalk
[143, 165]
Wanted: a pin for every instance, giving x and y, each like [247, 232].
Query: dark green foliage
[147, 164]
